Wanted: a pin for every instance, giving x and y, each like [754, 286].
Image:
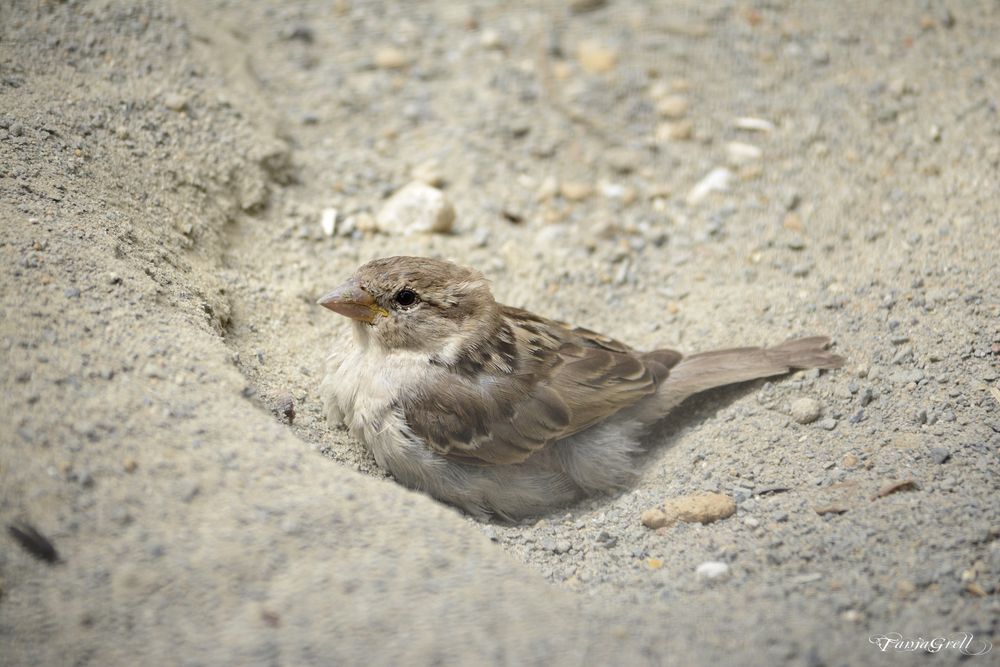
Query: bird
[501, 412]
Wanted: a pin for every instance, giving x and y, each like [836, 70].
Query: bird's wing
[559, 381]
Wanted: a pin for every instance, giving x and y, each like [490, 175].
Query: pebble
[940, 454]
[866, 397]
[429, 172]
[490, 39]
[285, 406]
[805, 410]
[416, 208]
[596, 57]
[828, 424]
[606, 540]
[390, 57]
[741, 153]
[581, 6]
[623, 160]
[712, 569]
[716, 180]
[175, 102]
[681, 130]
[754, 124]
[697, 508]
[672, 106]
[575, 191]
[850, 461]
[186, 490]
[328, 221]
[364, 222]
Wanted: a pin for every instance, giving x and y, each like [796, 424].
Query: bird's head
[418, 304]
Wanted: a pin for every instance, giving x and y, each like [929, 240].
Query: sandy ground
[164, 168]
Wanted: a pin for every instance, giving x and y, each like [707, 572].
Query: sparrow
[499, 411]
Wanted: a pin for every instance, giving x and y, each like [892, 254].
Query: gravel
[163, 182]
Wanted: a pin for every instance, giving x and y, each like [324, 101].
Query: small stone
[575, 191]
[899, 87]
[672, 106]
[654, 518]
[940, 454]
[595, 57]
[805, 410]
[866, 397]
[301, 33]
[793, 222]
[119, 514]
[416, 208]
[712, 569]
[741, 153]
[681, 130]
[364, 222]
[490, 39]
[390, 57]
[623, 160]
[328, 221]
[285, 406]
[820, 54]
[606, 540]
[716, 180]
[130, 465]
[187, 490]
[754, 124]
[72, 293]
[428, 172]
[697, 508]
[850, 461]
[175, 102]
[581, 6]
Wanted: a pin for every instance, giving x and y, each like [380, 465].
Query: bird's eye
[406, 297]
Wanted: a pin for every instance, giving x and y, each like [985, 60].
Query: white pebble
[754, 124]
[328, 221]
[416, 208]
[805, 410]
[716, 180]
[712, 569]
[741, 153]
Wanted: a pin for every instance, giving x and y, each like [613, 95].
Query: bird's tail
[721, 367]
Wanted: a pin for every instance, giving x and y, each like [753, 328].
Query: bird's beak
[350, 300]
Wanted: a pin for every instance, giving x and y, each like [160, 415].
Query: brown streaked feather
[566, 380]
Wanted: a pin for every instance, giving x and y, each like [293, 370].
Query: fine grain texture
[180, 181]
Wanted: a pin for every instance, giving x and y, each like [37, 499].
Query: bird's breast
[363, 388]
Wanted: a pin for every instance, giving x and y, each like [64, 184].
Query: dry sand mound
[164, 171]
